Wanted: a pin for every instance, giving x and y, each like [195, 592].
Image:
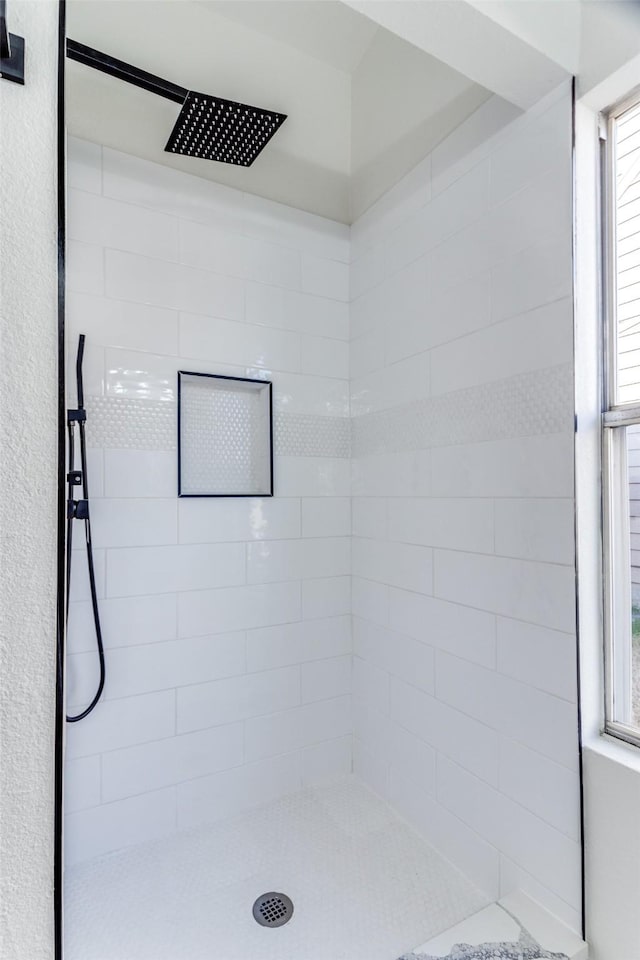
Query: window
[621, 440]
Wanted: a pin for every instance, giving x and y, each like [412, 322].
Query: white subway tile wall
[226, 621]
[405, 604]
[464, 680]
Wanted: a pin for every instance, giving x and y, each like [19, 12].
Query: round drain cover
[273, 909]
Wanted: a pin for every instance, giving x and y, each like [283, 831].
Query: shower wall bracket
[11, 50]
[77, 509]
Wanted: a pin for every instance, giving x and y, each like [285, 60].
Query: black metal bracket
[77, 415]
[77, 509]
[5, 45]
[74, 478]
[11, 50]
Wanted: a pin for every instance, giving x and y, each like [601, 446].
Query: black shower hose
[79, 510]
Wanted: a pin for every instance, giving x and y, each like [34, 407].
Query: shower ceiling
[363, 105]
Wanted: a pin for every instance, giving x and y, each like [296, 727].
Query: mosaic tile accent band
[119, 422]
[122, 423]
[300, 435]
[529, 404]
[525, 405]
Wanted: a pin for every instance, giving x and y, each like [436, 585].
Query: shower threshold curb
[502, 922]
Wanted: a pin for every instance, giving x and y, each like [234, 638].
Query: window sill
[618, 751]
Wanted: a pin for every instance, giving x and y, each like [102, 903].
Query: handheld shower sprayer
[78, 509]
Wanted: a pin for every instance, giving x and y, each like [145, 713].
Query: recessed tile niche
[225, 436]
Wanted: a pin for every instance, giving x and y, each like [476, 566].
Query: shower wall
[226, 621]
[228, 635]
[463, 559]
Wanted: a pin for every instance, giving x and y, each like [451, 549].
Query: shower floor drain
[273, 909]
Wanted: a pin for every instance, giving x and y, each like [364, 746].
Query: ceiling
[363, 105]
[369, 86]
[328, 31]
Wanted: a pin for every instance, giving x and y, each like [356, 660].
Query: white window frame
[616, 528]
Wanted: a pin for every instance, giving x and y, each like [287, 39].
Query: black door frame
[61, 500]
[60, 719]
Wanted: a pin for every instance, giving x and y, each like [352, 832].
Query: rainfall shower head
[224, 130]
[208, 127]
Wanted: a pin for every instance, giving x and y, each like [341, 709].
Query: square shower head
[223, 130]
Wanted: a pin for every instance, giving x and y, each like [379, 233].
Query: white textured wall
[612, 845]
[463, 552]
[28, 403]
[226, 621]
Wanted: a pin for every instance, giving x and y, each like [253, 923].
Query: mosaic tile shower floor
[364, 886]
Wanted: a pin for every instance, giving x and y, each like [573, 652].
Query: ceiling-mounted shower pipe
[124, 71]
[207, 127]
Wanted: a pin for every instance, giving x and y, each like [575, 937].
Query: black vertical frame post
[179, 419]
[271, 439]
[58, 861]
[583, 891]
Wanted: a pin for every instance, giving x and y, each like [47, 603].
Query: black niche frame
[219, 376]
